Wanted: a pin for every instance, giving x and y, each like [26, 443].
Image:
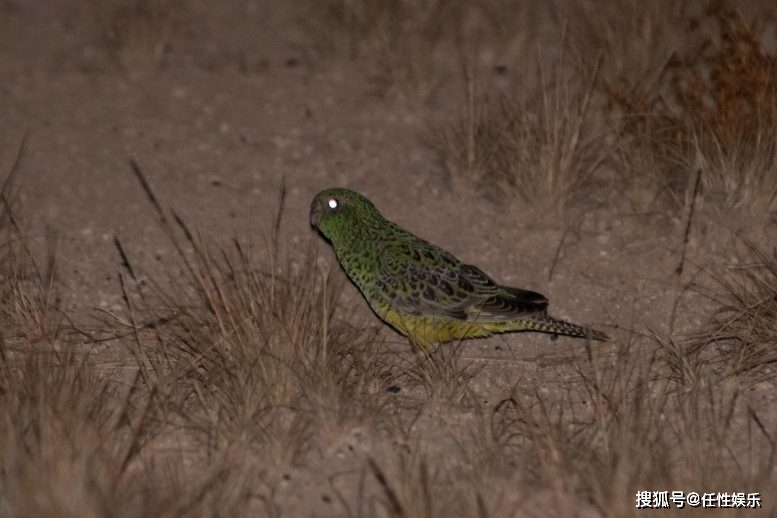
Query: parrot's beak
[315, 214]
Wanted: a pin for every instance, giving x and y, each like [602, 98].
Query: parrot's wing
[509, 304]
[431, 282]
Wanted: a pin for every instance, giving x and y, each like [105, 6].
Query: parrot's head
[339, 213]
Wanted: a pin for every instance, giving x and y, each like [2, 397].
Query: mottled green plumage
[420, 289]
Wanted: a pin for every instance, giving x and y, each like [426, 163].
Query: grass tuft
[442, 373]
[261, 359]
[542, 148]
[741, 337]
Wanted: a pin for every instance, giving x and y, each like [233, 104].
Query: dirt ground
[240, 104]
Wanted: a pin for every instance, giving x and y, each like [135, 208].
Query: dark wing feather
[437, 284]
[510, 303]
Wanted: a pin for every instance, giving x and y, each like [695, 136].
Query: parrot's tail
[554, 326]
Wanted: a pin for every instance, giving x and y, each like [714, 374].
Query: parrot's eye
[333, 203]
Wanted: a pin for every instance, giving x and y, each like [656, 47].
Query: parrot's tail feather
[561, 327]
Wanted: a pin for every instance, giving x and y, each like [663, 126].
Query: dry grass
[232, 377]
[742, 335]
[670, 89]
[68, 443]
[253, 360]
[543, 149]
[538, 139]
[709, 108]
[412, 48]
[442, 373]
[224, 361]
[264, 358]
[627, 424]
[624, 422]
[634, 39]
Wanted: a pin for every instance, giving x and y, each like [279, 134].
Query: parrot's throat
[357, 240]
[344, 240]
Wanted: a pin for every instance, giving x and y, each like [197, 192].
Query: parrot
[422, 291]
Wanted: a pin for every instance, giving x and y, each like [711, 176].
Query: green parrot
[419, 289]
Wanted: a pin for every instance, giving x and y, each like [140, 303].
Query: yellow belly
[425, 331]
